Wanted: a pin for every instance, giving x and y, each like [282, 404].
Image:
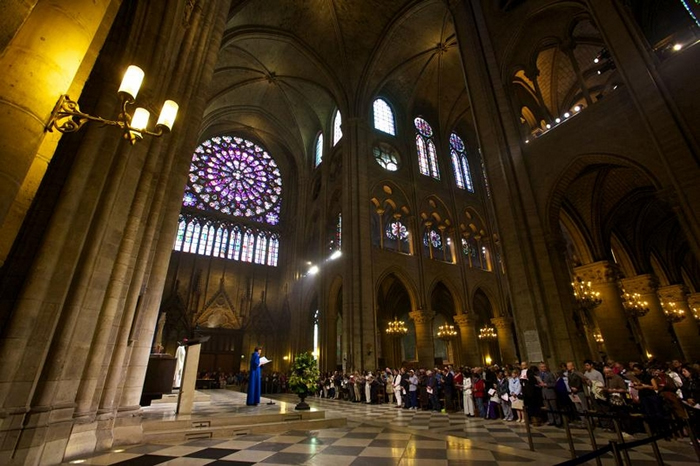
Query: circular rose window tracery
[237, 177]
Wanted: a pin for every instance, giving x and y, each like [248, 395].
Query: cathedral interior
[503, 180]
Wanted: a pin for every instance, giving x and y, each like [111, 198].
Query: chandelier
[446, 332]
[598, 337]
[584, 294]
[673, 313]
[396, 328]
[634, 305]
[487, 333]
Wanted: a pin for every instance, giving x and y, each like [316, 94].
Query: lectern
[185, 398]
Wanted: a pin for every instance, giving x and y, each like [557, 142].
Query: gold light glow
[131, 83]
[167, 115]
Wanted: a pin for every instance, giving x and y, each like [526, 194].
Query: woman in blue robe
[254, 378]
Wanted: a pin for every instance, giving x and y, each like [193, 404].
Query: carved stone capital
[421, 316]
[673, 294]
[694, 301]
[598, 272]
[502, 323]
[642, 284]
[464, 320]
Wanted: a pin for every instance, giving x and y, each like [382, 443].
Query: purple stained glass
[397, 230]
[456, 142]
[237, 177]
[433, 238]
[423, 127]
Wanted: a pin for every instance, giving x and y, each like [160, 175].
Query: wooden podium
[185, 399]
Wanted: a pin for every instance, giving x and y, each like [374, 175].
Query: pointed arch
[384, 119]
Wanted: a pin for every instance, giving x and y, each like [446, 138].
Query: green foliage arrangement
[304, 377]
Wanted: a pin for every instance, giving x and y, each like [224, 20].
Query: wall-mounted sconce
[67, 117]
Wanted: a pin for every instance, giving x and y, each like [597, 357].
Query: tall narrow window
[384, 117]
[337, 127]
[319, 149]
[180, 235]
[260, 248]
[248, 246]
[339, 232]
[273, 251]
[234, 251]
[427, 155]
[463, 176]
[317, 344]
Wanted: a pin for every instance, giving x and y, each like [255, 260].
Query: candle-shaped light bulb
[140, 119]
[131, 83]
[167, 115]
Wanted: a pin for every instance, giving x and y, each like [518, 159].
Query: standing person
[577, 385]
[397, 386]
[389, 386]
[479, 393]
[532, 395]
[515, 387]
[467, 398]
[549, 395]
[448, 389]
[413, 390]
[254, 378]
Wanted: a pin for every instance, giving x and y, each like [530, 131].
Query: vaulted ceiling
[285, 67]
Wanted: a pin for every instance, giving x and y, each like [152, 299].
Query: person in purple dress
[254, 378]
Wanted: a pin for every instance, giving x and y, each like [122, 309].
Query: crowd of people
[667, 395]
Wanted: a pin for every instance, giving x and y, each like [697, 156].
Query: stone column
[654, 324]
[506, 342]
[677, 149]
[424, 336]
[471, 356]
[37, 69]
[687, 329]
[610, 315]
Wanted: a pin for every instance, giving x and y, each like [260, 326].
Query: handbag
[616, 399]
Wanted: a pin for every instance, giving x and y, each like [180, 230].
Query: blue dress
[254, 380]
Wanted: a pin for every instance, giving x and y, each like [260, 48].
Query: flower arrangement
[304, 374]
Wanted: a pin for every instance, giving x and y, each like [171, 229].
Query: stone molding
[673, 293]
[421, 316]
[464, 320]
[598, 272]
[642, 284]
[502, 323]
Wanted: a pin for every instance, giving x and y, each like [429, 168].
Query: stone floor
[375, 435]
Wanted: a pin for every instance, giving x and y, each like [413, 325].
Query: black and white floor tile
[380, 435]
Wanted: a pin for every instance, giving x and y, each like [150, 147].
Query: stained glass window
[397, 231]
[432, 238]
[339, 232]
[483, 173]
[384, 117]
[337, 127]
[319, 149]
[427, 154]
[235, 176]
[463, 176]
[386, 156]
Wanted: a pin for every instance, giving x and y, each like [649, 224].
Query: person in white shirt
[397, 387]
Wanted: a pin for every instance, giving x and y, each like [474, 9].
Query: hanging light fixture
[487, 333]
[598, 337]
[396, 328]
[67, 117]
[586, 298]
[673, 313]
[634, 305]
[446, 332]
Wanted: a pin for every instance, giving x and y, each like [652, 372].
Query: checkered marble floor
[383, 435]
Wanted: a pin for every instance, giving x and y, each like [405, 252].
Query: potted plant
[303, 378]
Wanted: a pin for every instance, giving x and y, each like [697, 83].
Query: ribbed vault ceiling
[285, 66]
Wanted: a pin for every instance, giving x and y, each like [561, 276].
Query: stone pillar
[610, 315]
[471, 356]
[424, 336]
[687, 329]
[677, 148]
[38, 68]
[654, 324]
[506, 342]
